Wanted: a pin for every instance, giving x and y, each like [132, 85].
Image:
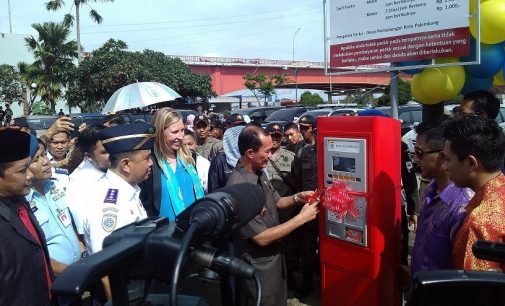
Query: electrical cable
[258, 289]
[178, 21]
[229, 37]
[246, 22]
[181, 255]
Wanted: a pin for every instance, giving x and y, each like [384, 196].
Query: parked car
[410, 137]
[258, 113]
[324, 112]
[408, 114]
[284, 115]
[40, 123]
[88, 118]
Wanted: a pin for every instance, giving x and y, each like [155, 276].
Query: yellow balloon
[492, 22]
[498, 78]
[472, 5]
[417, 91]
[456, 76]
[435, 84]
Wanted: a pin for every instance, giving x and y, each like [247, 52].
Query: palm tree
[54, 57]
[68, 20]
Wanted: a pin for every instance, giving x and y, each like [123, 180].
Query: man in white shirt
[115, 202]
[85, 177]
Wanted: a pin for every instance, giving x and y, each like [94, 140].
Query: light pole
[296, 68]
[10, 22]
[30, 96]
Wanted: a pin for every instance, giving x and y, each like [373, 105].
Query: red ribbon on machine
[337, 198]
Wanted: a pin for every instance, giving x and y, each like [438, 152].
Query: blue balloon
[413, 63]
[473, 84]
[492, 58]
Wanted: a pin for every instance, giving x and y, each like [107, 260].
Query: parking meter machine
[359, 169]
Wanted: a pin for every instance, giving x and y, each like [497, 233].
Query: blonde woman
[173, 184]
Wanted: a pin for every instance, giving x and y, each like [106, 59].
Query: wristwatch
[297, 198]
[84, 254]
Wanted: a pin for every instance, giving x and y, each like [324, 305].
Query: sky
[226, 28]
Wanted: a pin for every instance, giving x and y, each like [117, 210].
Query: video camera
[461, 287]
[156, 249]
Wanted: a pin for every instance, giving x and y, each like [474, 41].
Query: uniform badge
[33, 206]
[109, 222]
[61, 171]
[111, 196]
[64, 217]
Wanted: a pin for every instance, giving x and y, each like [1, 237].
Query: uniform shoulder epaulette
[61, 171]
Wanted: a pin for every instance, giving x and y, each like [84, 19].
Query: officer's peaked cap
[127, 137]
[308, 120]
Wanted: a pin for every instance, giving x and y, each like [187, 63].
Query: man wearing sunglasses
[442, 210]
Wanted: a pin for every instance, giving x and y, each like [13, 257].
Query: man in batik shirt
[474, 151]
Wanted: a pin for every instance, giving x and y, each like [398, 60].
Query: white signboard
[378, 31]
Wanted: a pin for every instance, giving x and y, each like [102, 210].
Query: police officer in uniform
[116, 202]
[49, 205]
[279, 164]
[305, 171]
[208, 147]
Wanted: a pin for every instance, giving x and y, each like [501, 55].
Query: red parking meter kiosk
[360, 255]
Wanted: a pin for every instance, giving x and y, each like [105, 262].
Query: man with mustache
[25, 270]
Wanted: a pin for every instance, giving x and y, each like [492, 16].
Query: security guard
[293, 137]
[116, 202]
[305, 171]
[49, 205]
[279, 164]
[208, 147]
[235, 119]
[305, 164]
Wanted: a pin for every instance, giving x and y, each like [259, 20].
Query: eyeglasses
[458, 111]
[420, 153]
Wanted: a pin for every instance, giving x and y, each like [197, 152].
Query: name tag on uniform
[111, 196]
[33, 206]
[64, 217]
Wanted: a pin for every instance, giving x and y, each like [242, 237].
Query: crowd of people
[60, 196]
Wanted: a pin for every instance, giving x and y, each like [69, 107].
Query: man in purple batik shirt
[443, 209]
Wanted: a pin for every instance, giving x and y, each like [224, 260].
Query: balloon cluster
[433, 85]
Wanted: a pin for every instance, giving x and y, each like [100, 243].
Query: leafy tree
[54, 56]
[264, 84]
[40, 108]
[404, 94]
[29, 74]
[112, 66]
[361, 99]
[14, 88]
[309, 99]
[69, 19]
[11, 88]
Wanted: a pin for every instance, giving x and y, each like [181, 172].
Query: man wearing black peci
[25, 270]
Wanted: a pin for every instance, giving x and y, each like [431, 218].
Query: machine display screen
[344, 164]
